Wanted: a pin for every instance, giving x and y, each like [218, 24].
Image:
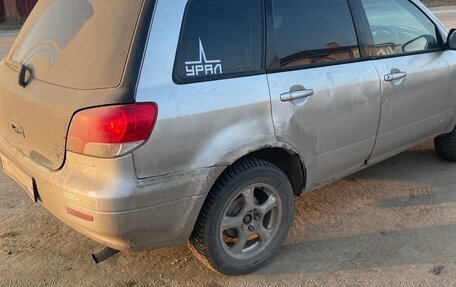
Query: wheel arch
[284, 157]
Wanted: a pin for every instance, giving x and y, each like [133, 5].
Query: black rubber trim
[23, 81]
[138, 49]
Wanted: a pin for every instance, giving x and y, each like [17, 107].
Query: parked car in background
[145, 124]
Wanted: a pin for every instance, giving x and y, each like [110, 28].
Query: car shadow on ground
[398, 212]
[378, 250]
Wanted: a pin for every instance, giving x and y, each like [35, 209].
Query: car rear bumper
[128, 213]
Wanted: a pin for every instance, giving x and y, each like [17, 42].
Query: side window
[399, 27]
[313, 32]
[220, 39]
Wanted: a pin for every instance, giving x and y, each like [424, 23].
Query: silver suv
[145, 124]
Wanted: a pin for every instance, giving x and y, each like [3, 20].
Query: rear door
[78, 54]
[415, 71]
[325, 93]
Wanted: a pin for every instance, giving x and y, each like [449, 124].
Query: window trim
[316, 66]
[275, 68]
[359, 21]
[178, 81]
[370, 39]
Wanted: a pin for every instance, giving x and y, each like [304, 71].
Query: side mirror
[451, 41]
[420, 43]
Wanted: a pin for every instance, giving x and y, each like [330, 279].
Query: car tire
[245, 218]
[445, 146]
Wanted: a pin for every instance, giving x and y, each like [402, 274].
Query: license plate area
[27, 182]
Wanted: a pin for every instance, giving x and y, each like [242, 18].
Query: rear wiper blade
[23, 80]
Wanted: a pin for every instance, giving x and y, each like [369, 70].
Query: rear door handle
[395, 76]
[290, 96]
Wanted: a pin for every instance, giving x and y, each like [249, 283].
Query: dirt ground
[393, 224]
[438, 3]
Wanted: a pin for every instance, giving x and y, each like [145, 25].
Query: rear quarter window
[81, 44]
[220, 39]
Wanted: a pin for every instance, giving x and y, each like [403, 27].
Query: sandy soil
[393, 224]
[437, 3]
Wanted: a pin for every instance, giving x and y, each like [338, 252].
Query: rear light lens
[111, 131]
[81, 215]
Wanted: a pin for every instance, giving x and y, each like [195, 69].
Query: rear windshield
[82, 44]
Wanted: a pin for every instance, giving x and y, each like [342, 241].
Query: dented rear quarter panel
[199, 125]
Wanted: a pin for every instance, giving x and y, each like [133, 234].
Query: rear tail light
[111, 131]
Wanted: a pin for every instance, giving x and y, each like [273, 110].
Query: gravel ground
[393, 224]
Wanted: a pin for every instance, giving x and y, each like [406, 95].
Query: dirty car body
[318, 118]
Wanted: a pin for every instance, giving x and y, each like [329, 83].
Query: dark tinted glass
[398, 27]
[219, 39]
[314, 32]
